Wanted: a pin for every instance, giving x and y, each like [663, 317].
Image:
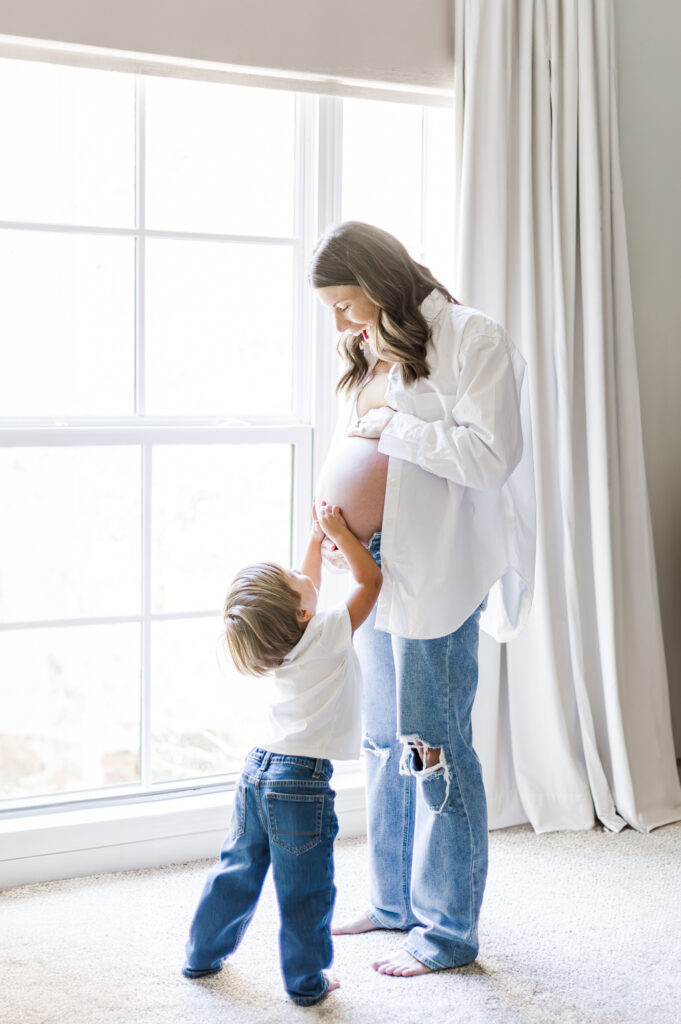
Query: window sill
[90, 841]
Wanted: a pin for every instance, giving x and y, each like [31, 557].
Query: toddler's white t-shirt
[317, 692]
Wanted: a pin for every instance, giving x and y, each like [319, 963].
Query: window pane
[205, 715]
[69, 709]
[438, 212]
[70, 533]
[219, 158]
[68, 145]
[214, 509]
[218, 328]
[382, 145]
[67, 324]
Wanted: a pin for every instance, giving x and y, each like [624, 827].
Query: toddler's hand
[331, 520]
[373, 423]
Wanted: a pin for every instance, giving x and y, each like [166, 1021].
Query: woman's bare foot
[401, 965]
[355, 926]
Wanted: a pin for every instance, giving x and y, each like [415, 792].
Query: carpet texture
[576, 927]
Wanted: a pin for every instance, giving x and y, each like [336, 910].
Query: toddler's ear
[304, 616]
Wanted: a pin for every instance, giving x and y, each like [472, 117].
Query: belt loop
[264, 764]
[319, 767]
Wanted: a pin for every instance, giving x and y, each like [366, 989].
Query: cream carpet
[576, 928]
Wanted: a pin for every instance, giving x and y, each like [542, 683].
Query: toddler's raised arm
[311, 564]
[364, 569]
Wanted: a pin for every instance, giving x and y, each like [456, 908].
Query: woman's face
[353, 310]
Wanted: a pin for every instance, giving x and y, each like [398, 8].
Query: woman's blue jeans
[427, 826]
[283, 815]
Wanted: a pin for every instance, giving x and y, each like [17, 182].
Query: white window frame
[147, 432]
[152, 824]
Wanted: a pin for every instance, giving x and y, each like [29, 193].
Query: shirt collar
[432, 305]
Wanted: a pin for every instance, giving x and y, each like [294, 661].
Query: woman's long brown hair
[354, 253]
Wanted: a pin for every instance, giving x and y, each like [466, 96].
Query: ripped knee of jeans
[369, 747]
[429, 765]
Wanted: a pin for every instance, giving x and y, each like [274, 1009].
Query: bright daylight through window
[158, 395]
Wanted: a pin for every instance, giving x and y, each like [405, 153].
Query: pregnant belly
[353, 477]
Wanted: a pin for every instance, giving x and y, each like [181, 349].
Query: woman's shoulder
[441, 312]
[455, 323]
[469, 320]
[459, 331]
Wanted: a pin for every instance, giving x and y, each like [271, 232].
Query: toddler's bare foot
[334, 983]
[401, 965]
[355, 926]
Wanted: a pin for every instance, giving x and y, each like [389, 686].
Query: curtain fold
[572, 720]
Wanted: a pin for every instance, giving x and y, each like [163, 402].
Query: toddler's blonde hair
[262, 618]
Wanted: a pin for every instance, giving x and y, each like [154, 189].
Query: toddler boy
[284, 807]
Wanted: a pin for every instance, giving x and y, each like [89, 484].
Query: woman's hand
[373, 423]
[332, 557]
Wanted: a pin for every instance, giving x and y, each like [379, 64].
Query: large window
[164, 386]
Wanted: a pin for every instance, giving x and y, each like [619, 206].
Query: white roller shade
[405, 42]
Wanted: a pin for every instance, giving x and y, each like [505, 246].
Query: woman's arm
[481, 444]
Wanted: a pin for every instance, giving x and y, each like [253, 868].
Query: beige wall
[649, 87]
[351, 39]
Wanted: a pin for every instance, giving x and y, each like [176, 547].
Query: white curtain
[572, 720]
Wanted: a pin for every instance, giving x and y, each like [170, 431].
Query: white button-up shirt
[459, 512]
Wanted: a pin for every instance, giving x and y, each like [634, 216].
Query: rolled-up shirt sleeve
[478, 443]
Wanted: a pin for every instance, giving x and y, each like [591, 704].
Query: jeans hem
[311, 1000]
[375, 919]
[200, 972]
[433, 964]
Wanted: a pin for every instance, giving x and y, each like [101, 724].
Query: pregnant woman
[432, 468]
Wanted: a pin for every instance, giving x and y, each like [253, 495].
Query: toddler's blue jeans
[283, 815]
[427, 826]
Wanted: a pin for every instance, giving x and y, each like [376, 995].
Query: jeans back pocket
[295, 820]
